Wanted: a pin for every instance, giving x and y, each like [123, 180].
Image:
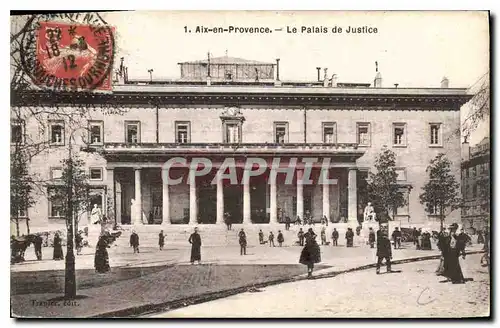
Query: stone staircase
[214, 235]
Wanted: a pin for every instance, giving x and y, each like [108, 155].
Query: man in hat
[134, 241]
[454, 246]
[243, 242]
[384, 249]
[396, 236]
[371, 238]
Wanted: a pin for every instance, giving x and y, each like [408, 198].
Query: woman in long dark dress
[101, 259]
[455, 247]
[195, 241]
[310, 253]
[58, 252]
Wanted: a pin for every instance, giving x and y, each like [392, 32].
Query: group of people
[422, 240]
[452, 246]
[270, 239]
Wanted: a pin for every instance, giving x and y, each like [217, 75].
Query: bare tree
[479, 107]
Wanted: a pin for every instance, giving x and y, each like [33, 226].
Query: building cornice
[362, 99]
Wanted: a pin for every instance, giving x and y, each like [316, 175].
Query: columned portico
[326, 194]
[246, 197]
[220, 199]
[273, 217]
[138, 198]
[300, 194]
[193, 204]
[352, 197]
[165, 198]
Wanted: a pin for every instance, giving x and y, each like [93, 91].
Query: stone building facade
[476, 185]
[345, 123]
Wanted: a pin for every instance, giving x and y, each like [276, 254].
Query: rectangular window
[17, 132]
[96, 132]
[433, 209]
[23, 213]
[96, 173]
[56, 209]
[56, 133]
[435, 129]
[399, 134]
[56, 173]
[280, 132]
[232, 133]
[182, 132]
[363, 134]
[401, 174]
[132, 132]
[329, 132]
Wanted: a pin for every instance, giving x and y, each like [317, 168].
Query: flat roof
[317, 90]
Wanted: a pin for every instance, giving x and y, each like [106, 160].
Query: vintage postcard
[250, 164]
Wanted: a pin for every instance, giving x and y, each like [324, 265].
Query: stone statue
[95, 215]
[369, 214]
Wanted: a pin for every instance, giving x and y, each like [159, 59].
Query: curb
[176, 304]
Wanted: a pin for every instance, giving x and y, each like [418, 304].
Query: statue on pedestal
[369, 214]
[95, 215]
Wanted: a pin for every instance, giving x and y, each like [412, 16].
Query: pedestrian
[415, 236]
[243, 242]
[280, 238]
[323, 236]
[419, 238]
[426, 241]
[349, 236]
[300, 235]
[227, 220]
[310, 253]
[480, 238]
[261, 237]
[384, 250]
[287, 223]
[298, 221]
[38, 246]
[58, 251]
[195, 241]
[454, 247]
[134, 241]
[396, 237]
[335, 237]
[442, 240]
[161, 240]
[101, 258]
[150, 218]
[326, 220]
[358, 230]
[271, 239]
[465, 237]
[371, 238]
[79, 242]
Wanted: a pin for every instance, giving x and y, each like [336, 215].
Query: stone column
[352, 197]
[300, 194]
[220, 199]
[118, 202]
[138, 198]
[193, 204]
[111, 192]
[326, 195]
[165, 198]
[273, 203]
[246, 198]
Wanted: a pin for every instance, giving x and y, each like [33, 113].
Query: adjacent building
[234, 108]
[476, 185]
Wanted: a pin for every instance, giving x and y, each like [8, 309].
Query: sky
[413, 49]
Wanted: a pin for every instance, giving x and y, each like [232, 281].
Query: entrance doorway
[233, 202]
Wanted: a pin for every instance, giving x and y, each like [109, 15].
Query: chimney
[445, 82]
[377, 82]
[319, 70]
[334, 80]
[277, 69]
[465, 150]
[325, 78]
[396, 85]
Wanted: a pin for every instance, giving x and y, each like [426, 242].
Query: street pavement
[156, 277]
[415, 292]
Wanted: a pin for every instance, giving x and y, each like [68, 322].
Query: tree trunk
[69, 275]
[28, 225]
[17, 226]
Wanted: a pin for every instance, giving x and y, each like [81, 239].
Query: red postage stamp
[74, 57]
